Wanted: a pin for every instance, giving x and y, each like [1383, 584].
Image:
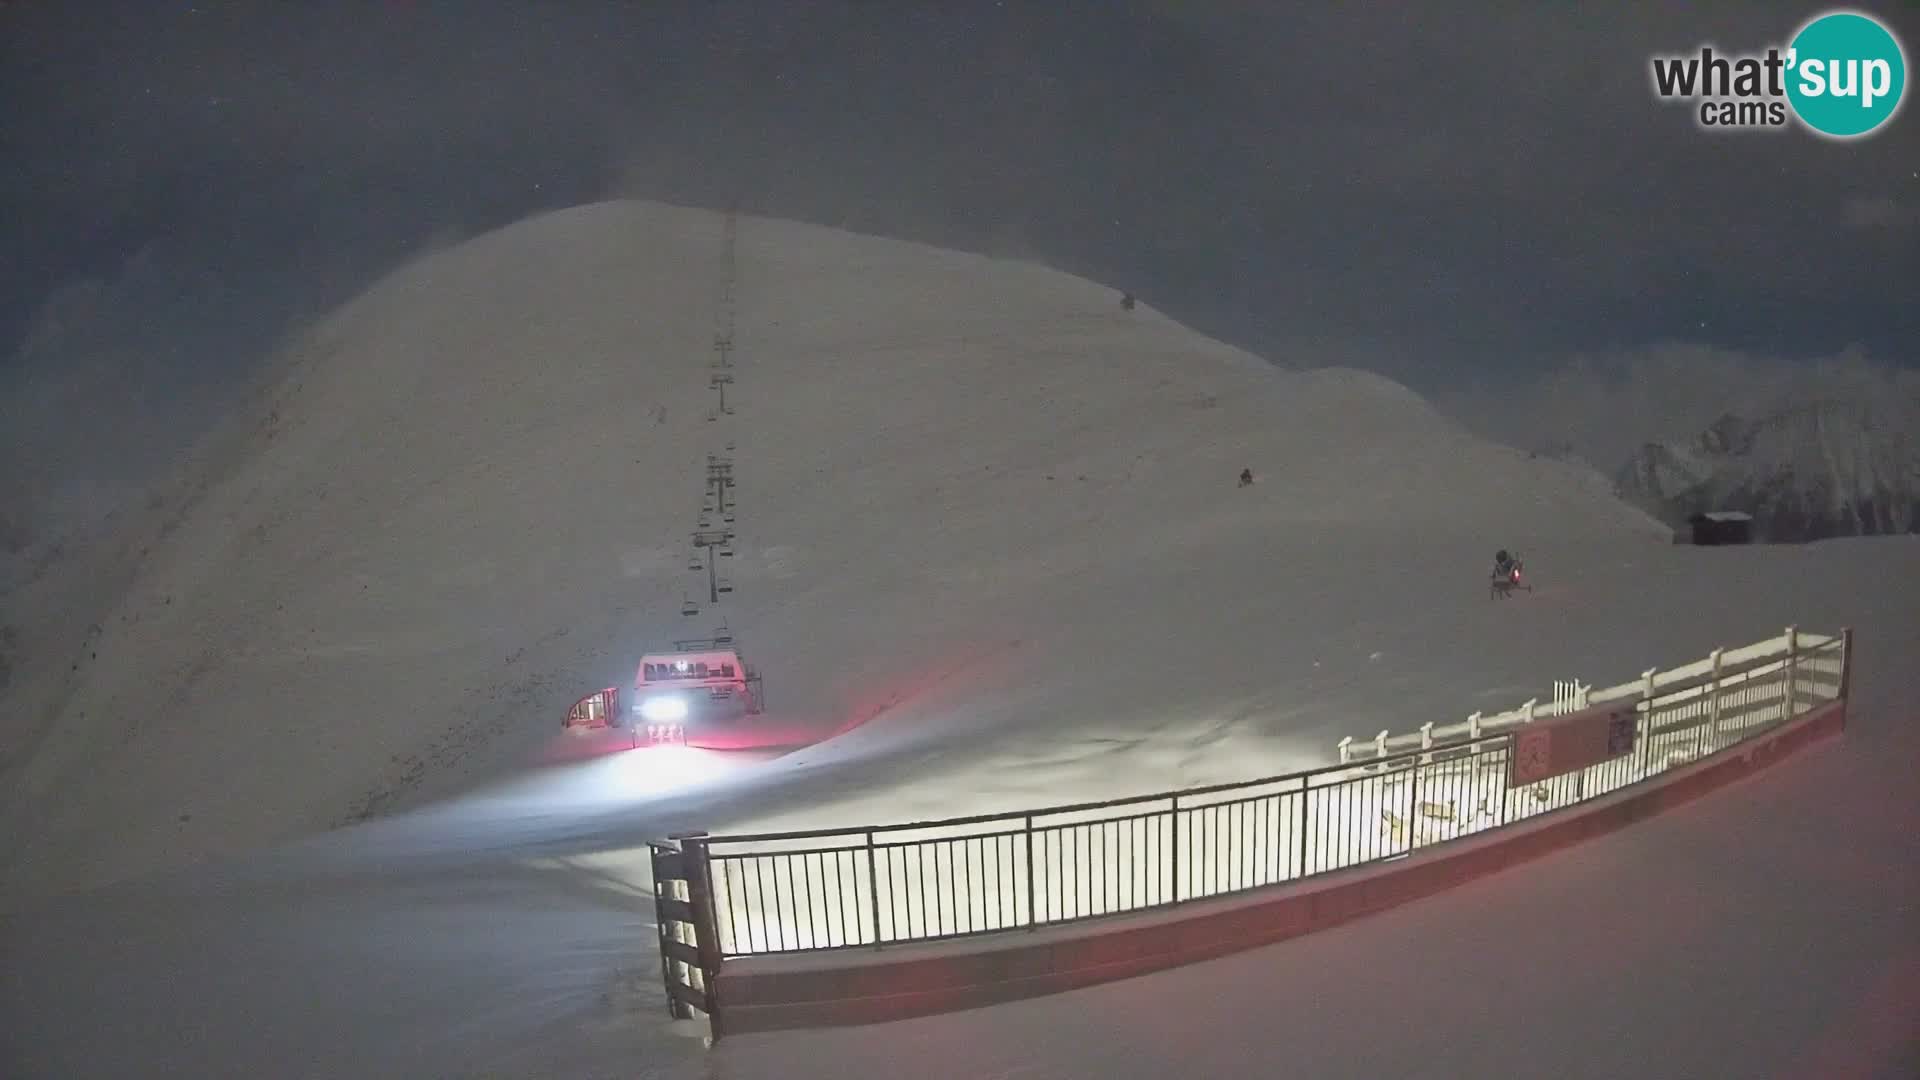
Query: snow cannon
[1507, 579]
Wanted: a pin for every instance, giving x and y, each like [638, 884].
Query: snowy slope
[508, 934]
[463, 441]
[1765, 931]
[976, 494]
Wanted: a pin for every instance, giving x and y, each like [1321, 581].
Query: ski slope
[978, 497]
[507, 933]
[1767, 931]
[989, 526]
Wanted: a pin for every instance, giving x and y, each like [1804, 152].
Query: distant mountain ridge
[1807, 472]
[1812, 447]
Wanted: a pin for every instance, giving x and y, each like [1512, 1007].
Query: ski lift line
[719, 469]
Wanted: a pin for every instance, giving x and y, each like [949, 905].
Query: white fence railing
[1572, 695]
[884, 884]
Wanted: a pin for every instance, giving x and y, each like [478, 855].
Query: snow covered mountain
[1812, 447]
[1829, 468]
[975, 496]
[984, 510]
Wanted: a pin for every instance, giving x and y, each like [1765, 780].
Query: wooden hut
[1722, 527]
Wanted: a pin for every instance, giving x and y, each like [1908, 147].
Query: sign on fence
[1549, 748]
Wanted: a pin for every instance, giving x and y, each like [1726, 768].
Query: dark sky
[1393, 185]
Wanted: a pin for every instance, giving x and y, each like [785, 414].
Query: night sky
[1396, 186]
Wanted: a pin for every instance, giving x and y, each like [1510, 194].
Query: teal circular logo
[1846, 75]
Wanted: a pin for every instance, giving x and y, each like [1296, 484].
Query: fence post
[1346, 750]
[1426, 743]
[663, 890]
[1793, 648]
[1380, 746]
[1032, 922]
[706, 926]
[1174, 816]
[1413, 800]
[1713, 705]
[1846, 669]
[873, 885]
[1643, 747]
[1526, 710]
[1305, 786]
[1508, 772]
[1473, 725]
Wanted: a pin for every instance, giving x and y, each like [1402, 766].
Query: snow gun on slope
[1507, 576]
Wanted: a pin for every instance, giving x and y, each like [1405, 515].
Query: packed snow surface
[990, 530]
[508, 933]
[979, 496]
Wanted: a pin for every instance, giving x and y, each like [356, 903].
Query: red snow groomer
[702, 685]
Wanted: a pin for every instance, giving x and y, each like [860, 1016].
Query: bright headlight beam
[664, 708]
